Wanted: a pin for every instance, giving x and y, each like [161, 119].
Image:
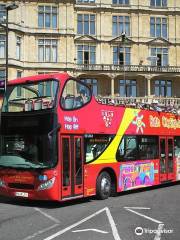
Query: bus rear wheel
[103, 186]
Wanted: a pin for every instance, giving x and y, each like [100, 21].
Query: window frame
[122, 24]
[93, 83]
[159, 27]
[123, 2]
[128, 84]
[126, 53]
[73, 97]
[2, 45]
[177, 139]
[46, 47]
[18, 47]
[159, 51]
[82, 49]
[85, 1]
[92, 136]
[158, 84]
[154, 3]
[44, 14]
[136, 155]
[88, 21]
[2, 79]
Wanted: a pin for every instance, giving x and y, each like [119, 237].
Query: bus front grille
[21, 186]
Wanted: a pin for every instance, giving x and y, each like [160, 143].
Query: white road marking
[144, 216]
[40, 232]
[158, 234]
[47, 215]
[137, 207]
[87, 230]
[113, 226]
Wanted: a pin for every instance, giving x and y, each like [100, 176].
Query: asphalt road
[148, 214]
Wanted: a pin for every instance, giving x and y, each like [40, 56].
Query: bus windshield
[30, 96]
[28, 151]
[29, 140]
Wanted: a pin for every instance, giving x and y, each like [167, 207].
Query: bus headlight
[2, 183]
[47, 185]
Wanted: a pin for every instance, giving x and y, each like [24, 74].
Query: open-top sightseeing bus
[59, 142]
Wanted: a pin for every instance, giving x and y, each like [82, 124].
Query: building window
[2, 12]
[86, 24]
[158, 3]
[18, 48]
[121, 55]
[163, 88]
[47, 17]
[124, 2]
[47, 50]
[44, 89]
[19, 74]
[86, 54]
[158, 27]
[85, 1]
[159, 56]
[121, 24]
[19, 89]
[2, 79]
[2, 46]
[92, 83]
[47, 88]
[127, 88]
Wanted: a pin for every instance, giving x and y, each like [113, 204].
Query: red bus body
[91, 120]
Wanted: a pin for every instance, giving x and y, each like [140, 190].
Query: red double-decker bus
[59, 142]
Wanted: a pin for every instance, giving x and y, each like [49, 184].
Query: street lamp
[8, 7]
[123, 37]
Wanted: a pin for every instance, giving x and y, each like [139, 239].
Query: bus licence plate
[21, 194]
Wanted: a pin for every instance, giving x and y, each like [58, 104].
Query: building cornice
[86, 38]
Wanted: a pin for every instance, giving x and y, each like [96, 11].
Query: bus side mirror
[50, 134]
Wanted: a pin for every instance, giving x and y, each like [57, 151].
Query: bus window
[177, 147]
[148, 147]
[95, 145]
[127, 149]
[162, 156]
[170, 155]
[75, 95]
[137, 147]
[66, 161]
[37, 95]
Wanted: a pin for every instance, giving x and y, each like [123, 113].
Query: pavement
[153, 213]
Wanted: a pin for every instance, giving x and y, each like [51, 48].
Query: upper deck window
[75, 95]
[34, 96]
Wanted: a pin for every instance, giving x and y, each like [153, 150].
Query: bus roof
[59, 76]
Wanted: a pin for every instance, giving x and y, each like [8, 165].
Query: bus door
[167, 161]
[71, 166]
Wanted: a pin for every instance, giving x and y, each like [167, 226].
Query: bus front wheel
[103, 186]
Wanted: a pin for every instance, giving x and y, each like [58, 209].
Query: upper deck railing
[127, 68]
[160, 104]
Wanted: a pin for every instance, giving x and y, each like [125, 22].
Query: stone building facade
[120, 47]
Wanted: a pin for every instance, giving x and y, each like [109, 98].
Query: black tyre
[103, 186]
